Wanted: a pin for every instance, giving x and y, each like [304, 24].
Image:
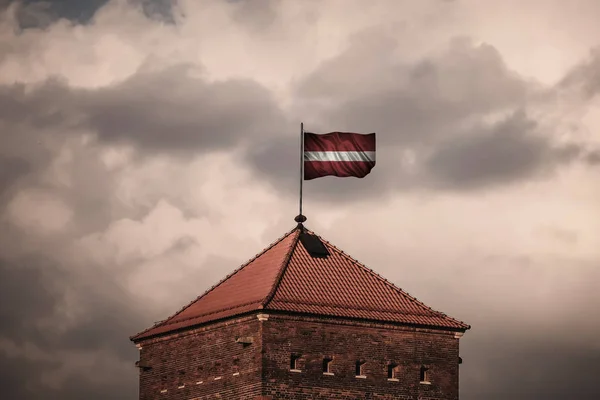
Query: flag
[340, 154]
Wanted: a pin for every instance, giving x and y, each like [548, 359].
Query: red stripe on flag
[339, 141]
[342, 169]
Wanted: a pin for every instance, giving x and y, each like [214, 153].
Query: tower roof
[295, 275]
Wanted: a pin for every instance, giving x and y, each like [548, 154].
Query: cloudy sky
[150, 147]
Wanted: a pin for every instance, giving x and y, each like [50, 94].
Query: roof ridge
[284, 265]
[388, 283]
[162, 323]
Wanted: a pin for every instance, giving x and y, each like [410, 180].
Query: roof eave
[145, 336]
[463, 328]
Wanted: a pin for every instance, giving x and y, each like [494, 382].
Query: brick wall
[201, 355]
[210, 352]
[376, 345]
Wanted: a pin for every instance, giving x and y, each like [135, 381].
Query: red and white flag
[340, 154]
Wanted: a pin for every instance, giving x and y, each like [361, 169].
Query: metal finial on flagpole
[301, 218]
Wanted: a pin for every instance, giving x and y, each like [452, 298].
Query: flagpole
[301, 218]
[301, 161]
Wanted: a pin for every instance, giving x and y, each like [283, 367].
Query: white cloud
[39, 211]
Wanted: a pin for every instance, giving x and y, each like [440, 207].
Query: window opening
[424, 375]
[360, 368]
[294, 358]
[393, 371]
[327, 365]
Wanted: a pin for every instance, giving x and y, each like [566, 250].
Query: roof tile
[286, 277]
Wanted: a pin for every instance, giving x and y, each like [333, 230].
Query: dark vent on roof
[313, 245]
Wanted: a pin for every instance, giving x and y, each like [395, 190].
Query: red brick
[263, 366]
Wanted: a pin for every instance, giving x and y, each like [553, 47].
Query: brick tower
[302, 320]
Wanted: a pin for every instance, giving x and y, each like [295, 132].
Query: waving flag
[341, 154]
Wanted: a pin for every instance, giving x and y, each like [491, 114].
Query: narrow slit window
[294, 358]
[393, 371]
[424, 375]
[327, 365]
[360, 368]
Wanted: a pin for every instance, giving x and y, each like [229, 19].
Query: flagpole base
[300, 219]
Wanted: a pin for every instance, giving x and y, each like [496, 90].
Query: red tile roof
[285, 277]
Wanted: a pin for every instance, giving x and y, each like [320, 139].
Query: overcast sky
[148, 148]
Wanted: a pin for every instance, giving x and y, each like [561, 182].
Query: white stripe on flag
[339, 156]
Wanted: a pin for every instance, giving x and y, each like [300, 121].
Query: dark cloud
[503, 152]
[593, 157]
[584, 77]
[35, 107]
[160, 10]
[255, 14]
[25, 283]
[436, 108]
[35, 15]
[18, 374]
[32, 129]
[498, 367]
[20, 377]
[167, 111]
[411, 103]
[11, 170]
[34, 293]
[38, 123]
[171, 110]
[42, 13]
